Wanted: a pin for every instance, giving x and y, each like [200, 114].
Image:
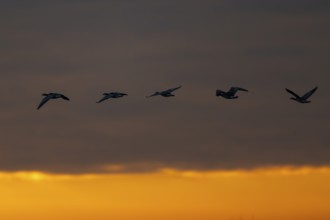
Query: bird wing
[308, 94]
[155, 94]
[241, 89]
[292, 93]
[105, 97]
[43, 101]
[232, 91]
[172, 90]
[64, 97]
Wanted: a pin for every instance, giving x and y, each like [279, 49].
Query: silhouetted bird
[113, 95]
[230, 94]
[51, 96]
[302, 99]
[166, 93]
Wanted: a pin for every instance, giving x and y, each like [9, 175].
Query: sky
[84, 48]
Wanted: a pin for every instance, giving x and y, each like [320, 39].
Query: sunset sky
[194, 156]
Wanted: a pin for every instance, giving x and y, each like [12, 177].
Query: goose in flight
[165, 93]
[302, 99]
[231, 93]
[113, 95]
[50, 96]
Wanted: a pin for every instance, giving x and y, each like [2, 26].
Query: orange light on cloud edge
[269, 193]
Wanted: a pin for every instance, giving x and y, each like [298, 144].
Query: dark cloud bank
[85, 48]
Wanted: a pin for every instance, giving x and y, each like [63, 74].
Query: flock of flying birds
[230, 94]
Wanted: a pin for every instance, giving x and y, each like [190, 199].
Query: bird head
[219, 93]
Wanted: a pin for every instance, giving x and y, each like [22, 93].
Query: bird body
[165, 93]
[49, 96]
[113, 95]
[302, 99]
[231, 94]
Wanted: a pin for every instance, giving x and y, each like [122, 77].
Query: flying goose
[301, 99]
[165, 93]
[231, 92]
[51, 96]
[113, 95]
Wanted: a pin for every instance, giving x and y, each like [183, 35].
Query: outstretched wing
[155, 94]
[64, 97]
[172, 90]
[292, 93]
[232, 91]
[43, 101]
[105, 97]
[308, 94]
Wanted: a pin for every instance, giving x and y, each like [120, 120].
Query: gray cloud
[84, 48]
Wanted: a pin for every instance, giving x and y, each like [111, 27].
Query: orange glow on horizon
[268, 193]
